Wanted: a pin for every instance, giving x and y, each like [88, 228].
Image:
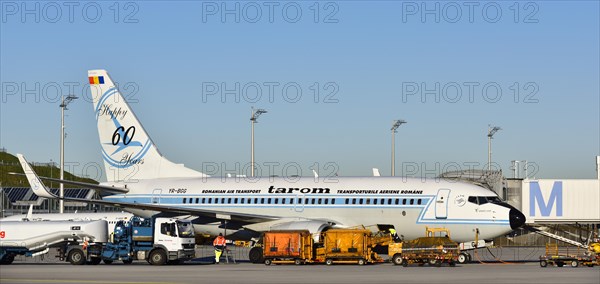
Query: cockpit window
[480, 200]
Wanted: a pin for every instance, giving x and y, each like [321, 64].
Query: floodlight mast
[63, 107]
[395, 125]
[253, 119]
[491, 132]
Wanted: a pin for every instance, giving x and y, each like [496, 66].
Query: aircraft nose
[516, 218]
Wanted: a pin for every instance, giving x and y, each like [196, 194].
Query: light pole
[395, 125]
[63, 107]
[491, 132]
[253, 119]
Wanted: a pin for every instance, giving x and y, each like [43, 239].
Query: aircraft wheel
[76, 257]
[256, 255]
[158, 257]
[397, 259]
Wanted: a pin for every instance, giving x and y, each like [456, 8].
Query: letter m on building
[536, 196]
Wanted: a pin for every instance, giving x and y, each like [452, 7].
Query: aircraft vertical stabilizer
[127, 150]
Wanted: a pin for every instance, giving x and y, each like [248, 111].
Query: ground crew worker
[394, 235]
[219, 244]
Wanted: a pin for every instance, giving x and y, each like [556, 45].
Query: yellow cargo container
[346, 246]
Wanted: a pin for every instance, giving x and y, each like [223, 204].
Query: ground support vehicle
[561, 256]
[346, 246]
[431, 250]
[156, 240]
[36, 238]
[288, 247]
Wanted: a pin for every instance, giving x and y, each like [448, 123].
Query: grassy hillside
[10, 163]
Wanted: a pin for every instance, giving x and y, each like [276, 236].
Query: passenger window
[397, 200]
[319, 201]
[354, 201]
[360, 201]
[291, 201]
[332, 201]
[390, 201]
[313, 201]
[262, 201]
[184, 200]
[347, 201]
[326, 200]
[412, 201]
[223, 200]
[242, 200]
[269, 200]
[375, 201]
[209, 200]
[283, 201]
[229, 200]
[419, 201]
[403, 201]
[198, 200]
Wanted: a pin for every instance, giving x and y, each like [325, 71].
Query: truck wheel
[7, 259]
[256, 255]
[94, 261]
[76, 257]
[543, 263]
[108, 261]
[432, 262]
[128, 261]
[268, 261]
[462, 258]
[452, 263]
[397, 259]
[405, 263]
[157, 257]
[560, 264]
[298, 261]
[329, 261]
[574, 263]
[361, 262]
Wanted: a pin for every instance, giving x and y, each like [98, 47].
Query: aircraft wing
[41, 190]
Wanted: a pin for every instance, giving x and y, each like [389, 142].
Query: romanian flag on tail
[94, 80]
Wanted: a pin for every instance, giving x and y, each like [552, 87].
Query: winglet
[34, 181]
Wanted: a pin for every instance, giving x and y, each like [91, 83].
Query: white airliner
[143, 182]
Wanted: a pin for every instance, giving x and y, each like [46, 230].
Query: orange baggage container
[287, 247]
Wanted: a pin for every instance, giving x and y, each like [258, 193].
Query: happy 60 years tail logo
[121, 148]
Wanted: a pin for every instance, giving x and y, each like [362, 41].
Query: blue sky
[372, 62]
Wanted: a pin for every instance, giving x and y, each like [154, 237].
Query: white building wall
[561, 201]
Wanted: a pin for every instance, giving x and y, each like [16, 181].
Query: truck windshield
[186, 230]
